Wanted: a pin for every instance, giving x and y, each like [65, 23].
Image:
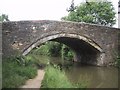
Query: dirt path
[35, 82]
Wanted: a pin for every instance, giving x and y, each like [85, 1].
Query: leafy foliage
[67, 53]
[49, 48]
[54, 49]
[38, 60]
[72, 7]
[4, 17]
[15, 74]
[93, 12]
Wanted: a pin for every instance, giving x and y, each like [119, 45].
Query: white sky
[39, 9]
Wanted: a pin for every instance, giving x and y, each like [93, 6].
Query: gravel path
[35, 82]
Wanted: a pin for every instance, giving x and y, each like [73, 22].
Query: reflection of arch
[51, 37]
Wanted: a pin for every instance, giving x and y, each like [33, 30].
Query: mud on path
[35, 82]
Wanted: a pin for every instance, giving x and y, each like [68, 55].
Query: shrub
[14, 74]
[37, 59]
[13, 81]
[49, 48]
[42, 50]
[67, 53]
[28, 71]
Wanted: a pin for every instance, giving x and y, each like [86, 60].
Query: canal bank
[92, 76]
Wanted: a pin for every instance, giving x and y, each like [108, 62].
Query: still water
[93, 76]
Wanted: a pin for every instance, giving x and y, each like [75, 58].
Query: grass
[16, 70]
[55, 78]
[15, 74]
[37, 59]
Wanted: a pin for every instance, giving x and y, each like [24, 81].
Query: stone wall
[93, 40]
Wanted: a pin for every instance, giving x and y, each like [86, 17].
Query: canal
[92, 76]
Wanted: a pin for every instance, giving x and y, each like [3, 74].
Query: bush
[37, 59]
[28, 71]
[42, 50]
[67, 53]
[54, 49]
[49, 48]
[13, 81]
[14, 74]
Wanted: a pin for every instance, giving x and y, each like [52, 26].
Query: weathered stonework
[92, 44]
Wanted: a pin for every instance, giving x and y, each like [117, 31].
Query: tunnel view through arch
[85, 50]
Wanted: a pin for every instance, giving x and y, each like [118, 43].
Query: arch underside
[86, 50]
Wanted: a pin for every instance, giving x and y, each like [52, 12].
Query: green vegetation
[37, 59]
[49, 48]
[16, 71]
[67, 53]
[54, 49]
[118, 61]
[4, 17]
[55, 78]
[91, 12]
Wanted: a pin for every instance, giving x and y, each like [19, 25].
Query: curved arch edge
[45, 39]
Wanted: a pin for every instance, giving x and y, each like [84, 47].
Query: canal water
[92, 76]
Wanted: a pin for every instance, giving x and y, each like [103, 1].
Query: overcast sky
[39, 9]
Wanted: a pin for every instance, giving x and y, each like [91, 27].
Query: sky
[18, 10]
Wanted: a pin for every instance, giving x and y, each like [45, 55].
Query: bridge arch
[86, 40]
[86, 50]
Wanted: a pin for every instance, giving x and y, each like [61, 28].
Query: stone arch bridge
[93, 44]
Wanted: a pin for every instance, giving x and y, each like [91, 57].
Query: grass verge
[15, 74]
[55, 78]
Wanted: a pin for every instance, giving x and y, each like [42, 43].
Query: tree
[72, 7]
[4, 17]
[93, 12]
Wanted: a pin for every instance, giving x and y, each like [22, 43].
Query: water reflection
[94, 77]
[97, 77]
